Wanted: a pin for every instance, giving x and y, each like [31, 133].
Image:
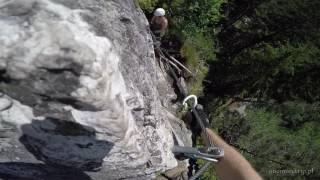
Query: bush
[197, 50]
[273, 147]
[147, 5]
[295, 114]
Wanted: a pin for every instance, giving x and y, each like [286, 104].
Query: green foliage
[280, 70]
[189, 53]
[210, 174]
[285, 58]
[197, 81]
[295, 114]
[181, 112]
[198, 16]
[273, 147]
[198, 48]
[147, 5]
[275, 137]
[269, 49]
[195, 64]
[295, 20]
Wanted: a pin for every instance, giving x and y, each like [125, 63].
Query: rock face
[81, 92]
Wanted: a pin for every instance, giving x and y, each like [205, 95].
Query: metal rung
[213, 153]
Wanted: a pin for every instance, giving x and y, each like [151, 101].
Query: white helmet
[159, 12]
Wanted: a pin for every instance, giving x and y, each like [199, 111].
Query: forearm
[233, 165]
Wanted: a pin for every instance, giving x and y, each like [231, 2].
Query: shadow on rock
[30, 171]
[59, 143]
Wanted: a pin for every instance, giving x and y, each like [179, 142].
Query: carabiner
[185, 104]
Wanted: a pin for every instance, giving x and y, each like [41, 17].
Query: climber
[233, 165]
[159, 23]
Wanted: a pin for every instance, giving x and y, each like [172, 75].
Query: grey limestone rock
[81, 93]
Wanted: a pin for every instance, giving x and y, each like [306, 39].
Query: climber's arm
[233, 165]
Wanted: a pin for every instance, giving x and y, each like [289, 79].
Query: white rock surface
[81, 88]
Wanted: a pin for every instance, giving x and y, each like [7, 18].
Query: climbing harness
[211, 154]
